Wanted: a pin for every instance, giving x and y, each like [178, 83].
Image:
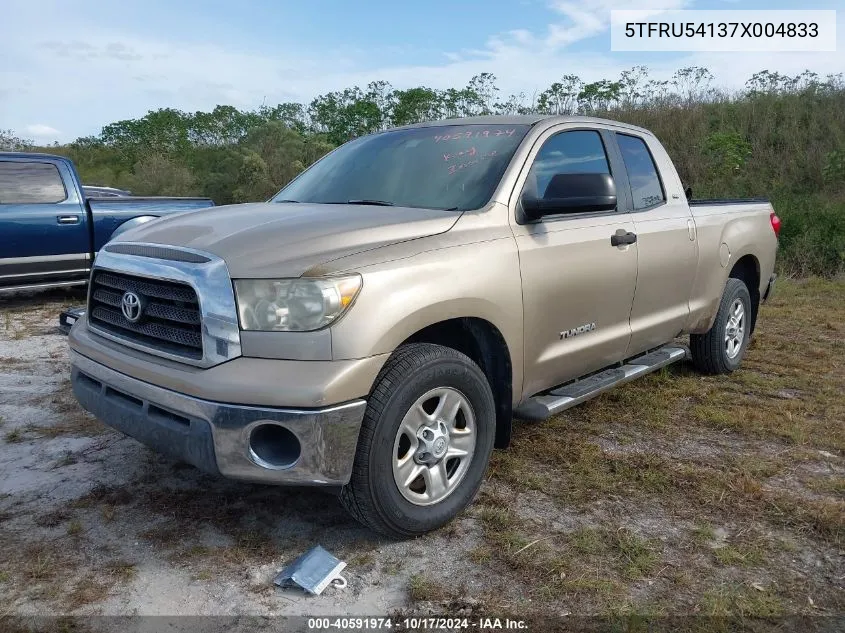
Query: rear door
[43, 226]
[666, 240]
[577, 287]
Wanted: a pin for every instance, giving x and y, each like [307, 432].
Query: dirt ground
[675, 495]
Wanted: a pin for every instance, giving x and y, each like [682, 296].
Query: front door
[43, 227]
[577, 287]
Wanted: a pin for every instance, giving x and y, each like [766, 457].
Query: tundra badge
[587, 327]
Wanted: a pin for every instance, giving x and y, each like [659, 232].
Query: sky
[69, 67]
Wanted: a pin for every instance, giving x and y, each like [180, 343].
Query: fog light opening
[272, 446]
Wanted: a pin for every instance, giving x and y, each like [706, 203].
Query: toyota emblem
[130, 305]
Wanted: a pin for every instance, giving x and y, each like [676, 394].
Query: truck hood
[288, 240]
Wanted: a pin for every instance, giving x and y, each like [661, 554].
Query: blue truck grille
[169, 318]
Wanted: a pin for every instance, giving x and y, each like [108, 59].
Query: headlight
[293, 305]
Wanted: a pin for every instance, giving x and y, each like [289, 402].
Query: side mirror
[688, 193]
[571, 193]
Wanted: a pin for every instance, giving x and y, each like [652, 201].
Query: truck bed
[722, 201]
[108, 213]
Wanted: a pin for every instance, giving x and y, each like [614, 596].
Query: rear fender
[721, 247]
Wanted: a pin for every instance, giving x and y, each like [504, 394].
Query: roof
[32, 155]
[521, 119]
[490, 119]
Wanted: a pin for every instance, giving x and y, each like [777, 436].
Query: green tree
[480, 94]
[342, 116]
[164, 131]
[692, 83]
[9, 142]
[225, 125]
[634, 86]
[415, 105]
[561, 97]
[782, 136]
[285, 153]
[292, 115]
[159, 175]
[253, 182]
[515, 104]
[599, 95]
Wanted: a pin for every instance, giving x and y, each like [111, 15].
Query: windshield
[441, 167]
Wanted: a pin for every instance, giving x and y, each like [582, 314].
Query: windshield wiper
[296, 201]
[377, 203]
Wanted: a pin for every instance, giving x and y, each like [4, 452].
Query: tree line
[781, 136]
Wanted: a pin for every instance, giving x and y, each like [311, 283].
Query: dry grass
[244, 521]
[59, 571]
[679, 494]
[53, 518]
[71, 419]
[682, 493]
[105, 496]
[422, 588]
[14, 436]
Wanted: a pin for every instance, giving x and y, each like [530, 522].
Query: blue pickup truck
[50, 230]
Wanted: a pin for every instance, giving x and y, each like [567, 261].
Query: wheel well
[485, 345]
[747, 269]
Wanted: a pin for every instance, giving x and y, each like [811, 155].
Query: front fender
[400, 298]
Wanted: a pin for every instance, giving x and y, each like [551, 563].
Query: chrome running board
[552, 402]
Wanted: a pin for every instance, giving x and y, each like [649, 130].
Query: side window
[30, 183]
[575, 152]
[642, 172]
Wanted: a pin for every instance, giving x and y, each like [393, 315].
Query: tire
[713, 352]
[415, 371]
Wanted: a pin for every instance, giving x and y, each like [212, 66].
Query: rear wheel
[424, 444]
[721, 349]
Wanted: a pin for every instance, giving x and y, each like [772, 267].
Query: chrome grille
[170, 319]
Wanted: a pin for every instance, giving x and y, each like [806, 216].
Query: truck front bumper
[249, 443]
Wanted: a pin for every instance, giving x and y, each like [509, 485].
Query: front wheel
[721, 349]
[424, 444]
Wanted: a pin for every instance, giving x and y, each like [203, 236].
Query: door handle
[67, 219]
[621, 238]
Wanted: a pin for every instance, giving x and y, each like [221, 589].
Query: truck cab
[50, 231]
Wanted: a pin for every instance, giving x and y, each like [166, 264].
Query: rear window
[30, 183]
[642, 173]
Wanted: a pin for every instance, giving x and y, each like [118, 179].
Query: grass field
[715, 499]
[683, 494]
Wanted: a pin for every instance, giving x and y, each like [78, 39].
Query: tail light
[775, 224]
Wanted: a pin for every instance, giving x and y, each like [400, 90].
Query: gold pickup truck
[375, 327]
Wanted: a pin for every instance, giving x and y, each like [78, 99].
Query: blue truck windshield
[442, 167]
